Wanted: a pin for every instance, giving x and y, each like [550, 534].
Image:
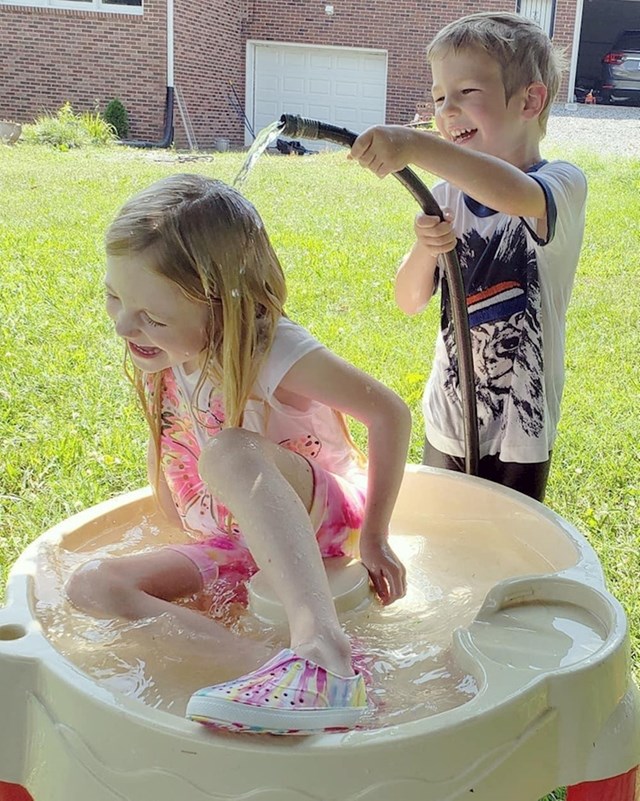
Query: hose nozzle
[302, 128]
[298, 127]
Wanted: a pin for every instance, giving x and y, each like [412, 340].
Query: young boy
[516, 222]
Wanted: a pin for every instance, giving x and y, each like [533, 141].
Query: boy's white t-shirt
[314, 431]
[518, 287]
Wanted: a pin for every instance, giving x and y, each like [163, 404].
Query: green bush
[99, 129]
[66, 129]
[116, 115]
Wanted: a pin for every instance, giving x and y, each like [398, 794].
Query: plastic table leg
[13, 792]
[618, 788]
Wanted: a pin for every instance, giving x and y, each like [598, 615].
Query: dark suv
[621, 70]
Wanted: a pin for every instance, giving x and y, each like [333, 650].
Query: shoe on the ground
[287, 695]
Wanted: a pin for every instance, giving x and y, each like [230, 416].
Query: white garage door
[340, 86]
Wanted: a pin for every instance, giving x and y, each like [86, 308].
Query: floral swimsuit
[218, 549]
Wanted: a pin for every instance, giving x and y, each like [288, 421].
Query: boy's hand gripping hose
[301, 128]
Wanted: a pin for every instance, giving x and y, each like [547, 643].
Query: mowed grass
[72, 435]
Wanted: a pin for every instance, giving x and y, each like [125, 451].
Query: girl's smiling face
[471, 109]
[160, 324]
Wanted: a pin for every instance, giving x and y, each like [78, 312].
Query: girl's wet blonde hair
[206, 238]
[522, 49]
[210, 241]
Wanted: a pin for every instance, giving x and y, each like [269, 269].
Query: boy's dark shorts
[530, 479]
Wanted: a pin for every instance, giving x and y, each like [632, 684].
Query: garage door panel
[320, 61]
[270, 58]
[320, 87]
[270, 83]
[293, 60]
[343, 89]
[373, 91]
[318, 112]
[336, 85]
[370, 64]
[268, 110]
[291, 84]
[348, 62]
[369, 119]
[345, 117]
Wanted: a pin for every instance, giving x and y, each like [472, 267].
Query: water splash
[266, 137]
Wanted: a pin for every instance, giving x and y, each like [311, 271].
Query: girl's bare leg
[143, 586]
[269, 489]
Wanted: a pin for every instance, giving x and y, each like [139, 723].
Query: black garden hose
[301, 128]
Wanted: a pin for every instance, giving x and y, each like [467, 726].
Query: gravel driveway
[599, 129]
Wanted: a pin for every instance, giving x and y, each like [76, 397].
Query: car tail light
[613, 58]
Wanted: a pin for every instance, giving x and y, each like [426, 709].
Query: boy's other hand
[383, 149]
[436, 236]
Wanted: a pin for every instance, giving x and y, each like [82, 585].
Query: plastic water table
[545, 652]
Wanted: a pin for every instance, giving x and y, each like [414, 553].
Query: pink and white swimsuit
[315, 433]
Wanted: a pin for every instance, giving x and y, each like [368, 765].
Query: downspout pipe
[301, 128]
[167, 136]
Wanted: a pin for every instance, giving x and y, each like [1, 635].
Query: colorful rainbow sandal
[287, 695]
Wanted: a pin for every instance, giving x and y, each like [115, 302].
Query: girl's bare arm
[322, 376]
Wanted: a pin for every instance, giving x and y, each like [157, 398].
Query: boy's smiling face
[471, 109]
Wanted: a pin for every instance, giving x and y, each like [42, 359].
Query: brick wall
[49, 56]
[209, 53]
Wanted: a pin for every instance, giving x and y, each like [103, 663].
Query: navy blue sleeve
[552, 213]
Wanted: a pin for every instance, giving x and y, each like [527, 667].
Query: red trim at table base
[13, 792]
[618, 788]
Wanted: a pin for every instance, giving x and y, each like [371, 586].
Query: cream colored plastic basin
[544, 652]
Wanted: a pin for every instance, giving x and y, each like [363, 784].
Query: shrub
[99, 129]
[116, 115]
[66, 129]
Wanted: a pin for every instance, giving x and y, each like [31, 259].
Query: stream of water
[265, 138]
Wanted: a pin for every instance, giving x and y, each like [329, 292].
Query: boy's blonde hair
[520, 46]
[210, 241]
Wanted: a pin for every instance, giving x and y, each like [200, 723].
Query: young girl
[249, 452]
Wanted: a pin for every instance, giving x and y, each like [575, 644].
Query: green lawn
[71, 434]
